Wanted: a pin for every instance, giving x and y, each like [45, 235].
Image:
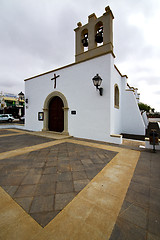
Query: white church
[89, 98]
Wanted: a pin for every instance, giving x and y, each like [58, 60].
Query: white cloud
[37, 36]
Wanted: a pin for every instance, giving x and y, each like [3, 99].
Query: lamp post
[97, 80]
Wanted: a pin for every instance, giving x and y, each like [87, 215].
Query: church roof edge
[69, 65]
[41, 74]
[120, 72]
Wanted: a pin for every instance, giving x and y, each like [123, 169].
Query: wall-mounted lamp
[26, 100]
[97, 80]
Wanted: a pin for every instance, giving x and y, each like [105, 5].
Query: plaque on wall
[73, 112]
[40, 116]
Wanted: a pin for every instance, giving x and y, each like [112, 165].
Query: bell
[99, 37]
[85, 42]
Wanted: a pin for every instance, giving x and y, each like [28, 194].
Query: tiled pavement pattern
[43, 182]
[139, 218]
[8, 143]
[102, 199]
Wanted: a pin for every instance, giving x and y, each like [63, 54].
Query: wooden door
[56, 115]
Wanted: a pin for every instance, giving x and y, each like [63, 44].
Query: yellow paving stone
[9, 213]
[16, 130]
[62, 228]
[50, 134]
[101, 199]
[4, 198]
[88, 232]
[95, 145]
[111, 188]
[80, 208]
[119, 172]
[128, 155]
[116, 174]
[101, 220]
[24, 150]
[21, 228]
[11, 134]
[15, 223]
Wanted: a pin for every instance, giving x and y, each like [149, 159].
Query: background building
[12, 104]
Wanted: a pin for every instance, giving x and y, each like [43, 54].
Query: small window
[116, 96]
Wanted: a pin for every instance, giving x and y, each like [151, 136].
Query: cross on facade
[54, 78]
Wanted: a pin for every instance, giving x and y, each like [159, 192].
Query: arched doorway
[46, 110]
[56, 115]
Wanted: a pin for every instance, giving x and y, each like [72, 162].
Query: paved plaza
[68, 188]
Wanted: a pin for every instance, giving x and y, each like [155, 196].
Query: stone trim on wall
[46, 110]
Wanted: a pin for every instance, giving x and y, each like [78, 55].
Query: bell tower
[94, 38]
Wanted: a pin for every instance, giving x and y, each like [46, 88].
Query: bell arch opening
[56, 98]
[84, 37]
[99, 33]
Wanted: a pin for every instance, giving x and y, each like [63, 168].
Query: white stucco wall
[92, 119]
[132, 121]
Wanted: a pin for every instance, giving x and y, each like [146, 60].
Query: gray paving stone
[44, 218]
[61, 200]
[151, 236]
[64, 187]
[154, 223]
[64, 176]
[125, 206]
[42, 204]
[124, 230]
[10, 189]
[79, 175]
[11, 180]
[31, 179]
[25, 191]
[52, 163]
[80, 184]
[47, 179]
[77, 168]
[138, 198]
[87, 163]
[155, 182]
[64, 167]
[135, 215]
[140, 188]
[91, 173]
[141, 179]
[25, 202]
[20, 141]
[35, 171]
[45, 189]
[155, 200]
[50, 170]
